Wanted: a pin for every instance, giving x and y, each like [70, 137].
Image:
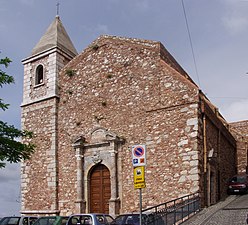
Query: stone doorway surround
[103, 148]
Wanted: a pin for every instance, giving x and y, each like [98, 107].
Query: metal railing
[175, 211]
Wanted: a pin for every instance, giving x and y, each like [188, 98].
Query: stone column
[114, 201]
[80, 201]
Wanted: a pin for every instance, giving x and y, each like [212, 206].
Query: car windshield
[10, 220]
[132, 219]
[45, 221]
[109, 218]
[119, 219]
[238, 179]
[64, 220]
[127, 219]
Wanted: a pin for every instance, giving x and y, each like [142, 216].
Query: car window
[50, 221]
[10, 221]
[119, 219]
[132, 219]
[109, 218]
[25, 221]
[86, 220]
[100, 219]
[74, 220]
[80, 220]
[32, 220]
[64, 220]
[45, 221]
[239, 179]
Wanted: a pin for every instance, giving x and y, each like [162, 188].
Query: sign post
[140, 199]
[139, 162]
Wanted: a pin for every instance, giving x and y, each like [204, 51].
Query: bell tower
[39, 115]
[48, 57]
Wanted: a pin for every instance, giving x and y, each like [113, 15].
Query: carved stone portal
[103, 148]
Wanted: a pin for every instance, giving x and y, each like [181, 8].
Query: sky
[209, 41]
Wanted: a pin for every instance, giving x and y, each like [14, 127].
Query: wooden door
[100, 191]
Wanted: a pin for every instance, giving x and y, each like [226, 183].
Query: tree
[11, 149]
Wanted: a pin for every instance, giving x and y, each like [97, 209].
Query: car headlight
[243, 185]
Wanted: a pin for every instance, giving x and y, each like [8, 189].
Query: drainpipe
[246, 149]
[218, 165]
[205, 161]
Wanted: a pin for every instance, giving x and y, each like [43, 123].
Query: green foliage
[11, 149]
[95, 47]
[104, 103]
[70, 72]
[5, 79]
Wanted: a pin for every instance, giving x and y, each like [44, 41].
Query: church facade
[87, 110]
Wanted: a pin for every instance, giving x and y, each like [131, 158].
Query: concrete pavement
[232, 211]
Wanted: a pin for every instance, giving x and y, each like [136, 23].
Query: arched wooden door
[100, 191]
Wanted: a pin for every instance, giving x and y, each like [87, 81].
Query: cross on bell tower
[57, 6]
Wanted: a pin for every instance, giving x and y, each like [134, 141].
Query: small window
[39, 77]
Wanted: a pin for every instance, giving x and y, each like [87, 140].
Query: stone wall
[220, 157]
[240, 132]
[134, 90]
[124, 86]
[39, 174]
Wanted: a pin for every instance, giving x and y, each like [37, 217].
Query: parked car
[130, 219]
[134, 219]
[156, 219]
[18, 220]
[90, 219]
[238, 184]
[51, 220]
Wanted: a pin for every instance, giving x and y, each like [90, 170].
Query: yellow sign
[139, 185]
[139, 177]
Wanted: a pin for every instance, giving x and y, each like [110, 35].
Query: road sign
[139, 174]
[139, 185]
[139, 177]
[139, 155]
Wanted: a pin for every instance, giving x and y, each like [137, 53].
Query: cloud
[2, 27]
[10, 190]
[101, 28]
[142, 5]
[10, 173]
[236, 111]
[27, 2]
[235, 18]
[235, 24]
[95, 29]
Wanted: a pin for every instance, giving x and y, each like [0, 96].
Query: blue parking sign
[135, 161]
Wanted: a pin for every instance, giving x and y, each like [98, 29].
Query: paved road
[232, 211]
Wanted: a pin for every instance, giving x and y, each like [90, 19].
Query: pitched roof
[55, 36]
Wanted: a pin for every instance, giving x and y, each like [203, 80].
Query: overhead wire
[191, 44]
[244, 98]
[194, 58]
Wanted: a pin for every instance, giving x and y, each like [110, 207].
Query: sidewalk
[206, 213]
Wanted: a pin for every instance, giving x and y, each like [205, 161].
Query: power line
[223, 97]
[191, 45]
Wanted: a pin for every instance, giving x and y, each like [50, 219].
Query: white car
[90, 219]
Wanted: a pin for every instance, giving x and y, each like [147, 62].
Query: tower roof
[55, 36]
